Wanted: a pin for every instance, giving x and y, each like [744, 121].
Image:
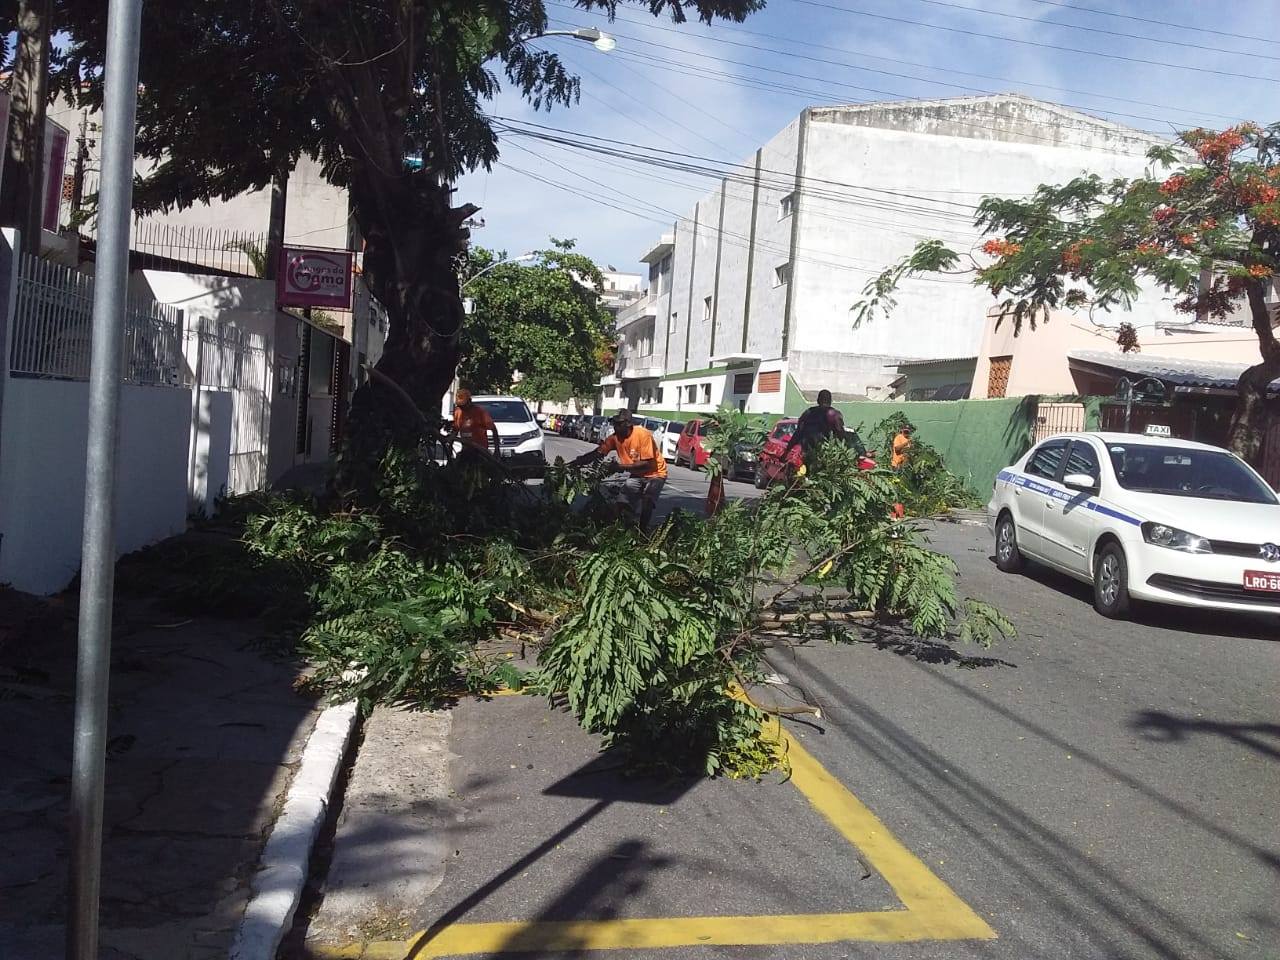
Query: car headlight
[528, 435]
[1163, 535]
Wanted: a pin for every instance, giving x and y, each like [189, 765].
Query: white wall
[946, 155]
[234, 308]
[42, 476]
[947, 167]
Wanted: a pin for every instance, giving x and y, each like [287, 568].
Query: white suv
[520, 437]
[1172, 521]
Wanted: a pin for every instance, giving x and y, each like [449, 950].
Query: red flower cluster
[1259, 270]
[1255, 191]
[1001, 248]
[1218, 147]
[1187, 239]
[1150, 248]
[1164, 214]
[1073, 256]
[1173, 185]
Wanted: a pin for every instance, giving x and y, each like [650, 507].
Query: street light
[497, 263]
[597, 38]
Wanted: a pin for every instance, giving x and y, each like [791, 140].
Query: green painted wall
[977, 438]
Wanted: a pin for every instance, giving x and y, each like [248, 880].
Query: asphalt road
[1108, 791]
[1092, 790]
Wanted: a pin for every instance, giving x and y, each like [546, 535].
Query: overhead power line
[1158, 23]
[1076, 26]
[716, 37]
[719, 168]
[1033, 43]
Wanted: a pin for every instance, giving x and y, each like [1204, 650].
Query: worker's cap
[621, 417]
[463, 396]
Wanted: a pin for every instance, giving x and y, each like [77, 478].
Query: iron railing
[52, 327]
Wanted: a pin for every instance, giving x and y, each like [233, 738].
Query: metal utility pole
[97, 565]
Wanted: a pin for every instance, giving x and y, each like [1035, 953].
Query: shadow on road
[1161, 727]
[1040, 858]
[1209, 623]
[623, 870]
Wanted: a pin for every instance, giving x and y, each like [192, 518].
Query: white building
[750, 295]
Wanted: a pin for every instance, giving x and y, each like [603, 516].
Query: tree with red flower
[1093, 242]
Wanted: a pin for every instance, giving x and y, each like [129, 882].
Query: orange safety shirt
[639, 446]
[901, 444]
[473, 425]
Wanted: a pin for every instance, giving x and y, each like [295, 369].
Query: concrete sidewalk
[205, 731]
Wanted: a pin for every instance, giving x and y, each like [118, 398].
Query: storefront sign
[310, 277]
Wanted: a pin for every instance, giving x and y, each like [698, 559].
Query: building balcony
[644, 367]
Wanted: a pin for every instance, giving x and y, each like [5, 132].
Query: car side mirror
[1080, 481]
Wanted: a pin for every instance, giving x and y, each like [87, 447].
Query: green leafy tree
[543, 319]
[234, 91]
[1214, 210]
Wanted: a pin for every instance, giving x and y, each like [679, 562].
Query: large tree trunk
[1249, 421]
[21, 188]
[412, 240]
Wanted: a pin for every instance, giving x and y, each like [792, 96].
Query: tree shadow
[1160, 727]
[620, 872]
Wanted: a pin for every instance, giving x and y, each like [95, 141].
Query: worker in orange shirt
[901, 446]
[473, 424]
[638, 456]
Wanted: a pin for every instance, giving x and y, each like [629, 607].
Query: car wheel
[1111, 582]
[761, 478]
[1008, 556]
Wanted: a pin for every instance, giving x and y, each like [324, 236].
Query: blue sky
[687, 88]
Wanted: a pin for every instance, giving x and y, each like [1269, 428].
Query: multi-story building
[750, 295]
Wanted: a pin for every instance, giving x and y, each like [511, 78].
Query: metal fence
[157, 245]
[1053, 418]
[52, 329]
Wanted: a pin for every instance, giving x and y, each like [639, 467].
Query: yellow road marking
[932, 911]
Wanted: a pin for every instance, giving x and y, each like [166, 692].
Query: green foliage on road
[732, 430]
[649, 639]
[926, 487]
[543, 319]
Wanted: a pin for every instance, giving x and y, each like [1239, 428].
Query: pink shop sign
[313, 277]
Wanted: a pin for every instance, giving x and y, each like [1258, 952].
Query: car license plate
[508, 451]
[1261, 580]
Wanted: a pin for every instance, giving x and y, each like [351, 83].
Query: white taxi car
[1140, 517]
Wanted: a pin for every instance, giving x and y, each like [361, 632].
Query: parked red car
[772, 466]
[689, 448]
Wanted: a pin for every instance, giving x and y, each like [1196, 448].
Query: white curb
[282, 869]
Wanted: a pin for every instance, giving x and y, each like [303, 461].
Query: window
[1186, 472]
[782, 275]
[770, 381]
[664, 275]
[510, 411]
[706, 309]
[998, 377]
[706, 393]
[691, 393]
[785, 206]
[783, 431]
[742, 382]
[1082, 459]
[1046, 459]
[674, 325]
